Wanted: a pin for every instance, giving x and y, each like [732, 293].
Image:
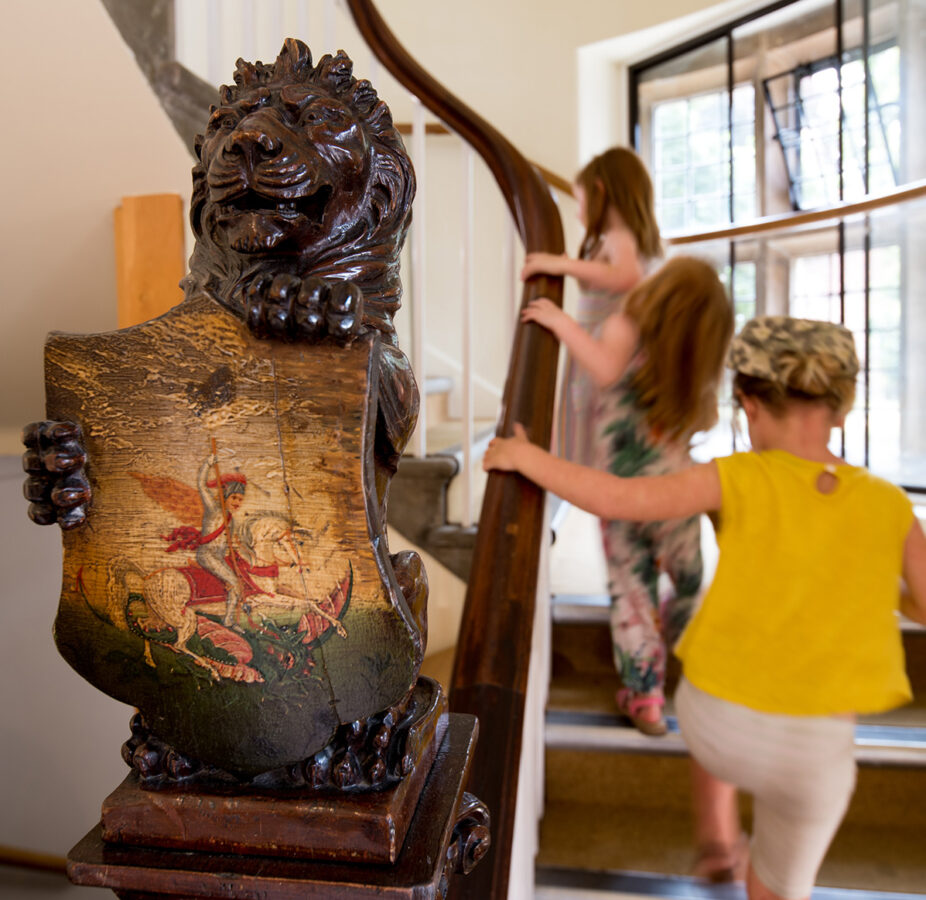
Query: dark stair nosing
[576, 730]
[607, 732]
[553, 882]
[481, 438]
[437, 384]
[590, 609]
[580, 609]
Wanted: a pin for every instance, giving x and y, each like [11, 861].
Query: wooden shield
[232, 579]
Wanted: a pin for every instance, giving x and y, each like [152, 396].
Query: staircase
[425, 496]
[617, 816]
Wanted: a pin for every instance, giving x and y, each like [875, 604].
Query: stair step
[581, 644]
[876, 744]
[436, 397]
[653, 832]
[617, 816]
[580, 609]
[447, 437]
[592, 609]
[553, 883]
[617, 801]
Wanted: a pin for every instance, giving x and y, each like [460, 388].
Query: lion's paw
[290, 308]
[57, 488]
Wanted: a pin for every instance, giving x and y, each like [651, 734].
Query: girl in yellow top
[798, 631]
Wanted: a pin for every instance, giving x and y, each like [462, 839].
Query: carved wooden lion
[221, 473]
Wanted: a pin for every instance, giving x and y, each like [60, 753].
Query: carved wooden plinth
[447, 833]
[308, 823]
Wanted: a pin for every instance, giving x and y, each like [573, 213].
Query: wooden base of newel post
[447, 832]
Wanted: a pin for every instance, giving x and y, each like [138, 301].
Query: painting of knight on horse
[241, 602]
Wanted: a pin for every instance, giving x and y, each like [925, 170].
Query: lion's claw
[293, 309]
[57, 488]
[345, 304]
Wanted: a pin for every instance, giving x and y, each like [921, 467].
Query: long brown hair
[617, 178]
[685, 321]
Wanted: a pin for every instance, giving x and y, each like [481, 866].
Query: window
[814, 136]
[692, 152]
[802, 105]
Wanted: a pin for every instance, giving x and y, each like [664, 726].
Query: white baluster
[248, 30]
[329, 29]
[418, 271]
[468, 318]
[302, 25]
[275, 27]
[510, 275]
[213, 39]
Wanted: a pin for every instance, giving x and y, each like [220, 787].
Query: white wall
[83, 130]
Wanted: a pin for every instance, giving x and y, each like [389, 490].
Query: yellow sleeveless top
[801, 617]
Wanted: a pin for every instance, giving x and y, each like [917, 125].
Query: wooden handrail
[30, 859]
[493, 652]
[912, 191]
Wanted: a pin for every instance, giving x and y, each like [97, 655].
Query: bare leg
[638, 648]
[755, 890]
[718, 833]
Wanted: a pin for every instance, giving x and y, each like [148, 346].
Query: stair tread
[592, 608]
[556, 882]
[592, 693]
[659, 842]
[447, 436]
[597, 732]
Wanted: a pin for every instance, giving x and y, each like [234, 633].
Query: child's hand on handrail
[544, 264]
[545, 313]
[502, 453]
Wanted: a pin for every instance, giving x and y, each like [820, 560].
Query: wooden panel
[150, 256]
[245, 675]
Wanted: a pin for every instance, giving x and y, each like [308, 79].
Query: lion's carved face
[285, 176]
[301, 172]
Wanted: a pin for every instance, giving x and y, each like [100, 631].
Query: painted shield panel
[232, 579]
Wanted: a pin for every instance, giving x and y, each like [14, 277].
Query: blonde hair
[618, 179]
[685, 320]
[817, 377]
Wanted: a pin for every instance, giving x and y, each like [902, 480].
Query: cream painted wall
[516, 62]
[83, 130]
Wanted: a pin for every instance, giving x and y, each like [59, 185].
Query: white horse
[264, 541]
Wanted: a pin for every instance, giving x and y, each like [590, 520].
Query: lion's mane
[365, 252]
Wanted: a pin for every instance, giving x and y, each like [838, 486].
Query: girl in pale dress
[614, 194]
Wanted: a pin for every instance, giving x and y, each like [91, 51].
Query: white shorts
[800, 771]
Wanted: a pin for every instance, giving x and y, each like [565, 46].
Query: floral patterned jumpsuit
[642, 627]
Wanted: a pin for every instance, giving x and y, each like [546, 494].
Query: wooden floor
[25, 884]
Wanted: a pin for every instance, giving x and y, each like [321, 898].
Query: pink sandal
[631, 705]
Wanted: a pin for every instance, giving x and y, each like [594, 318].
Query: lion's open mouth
[256, 223]
[311, 207]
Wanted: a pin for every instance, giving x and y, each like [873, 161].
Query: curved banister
[915, 190]
[493, 652]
